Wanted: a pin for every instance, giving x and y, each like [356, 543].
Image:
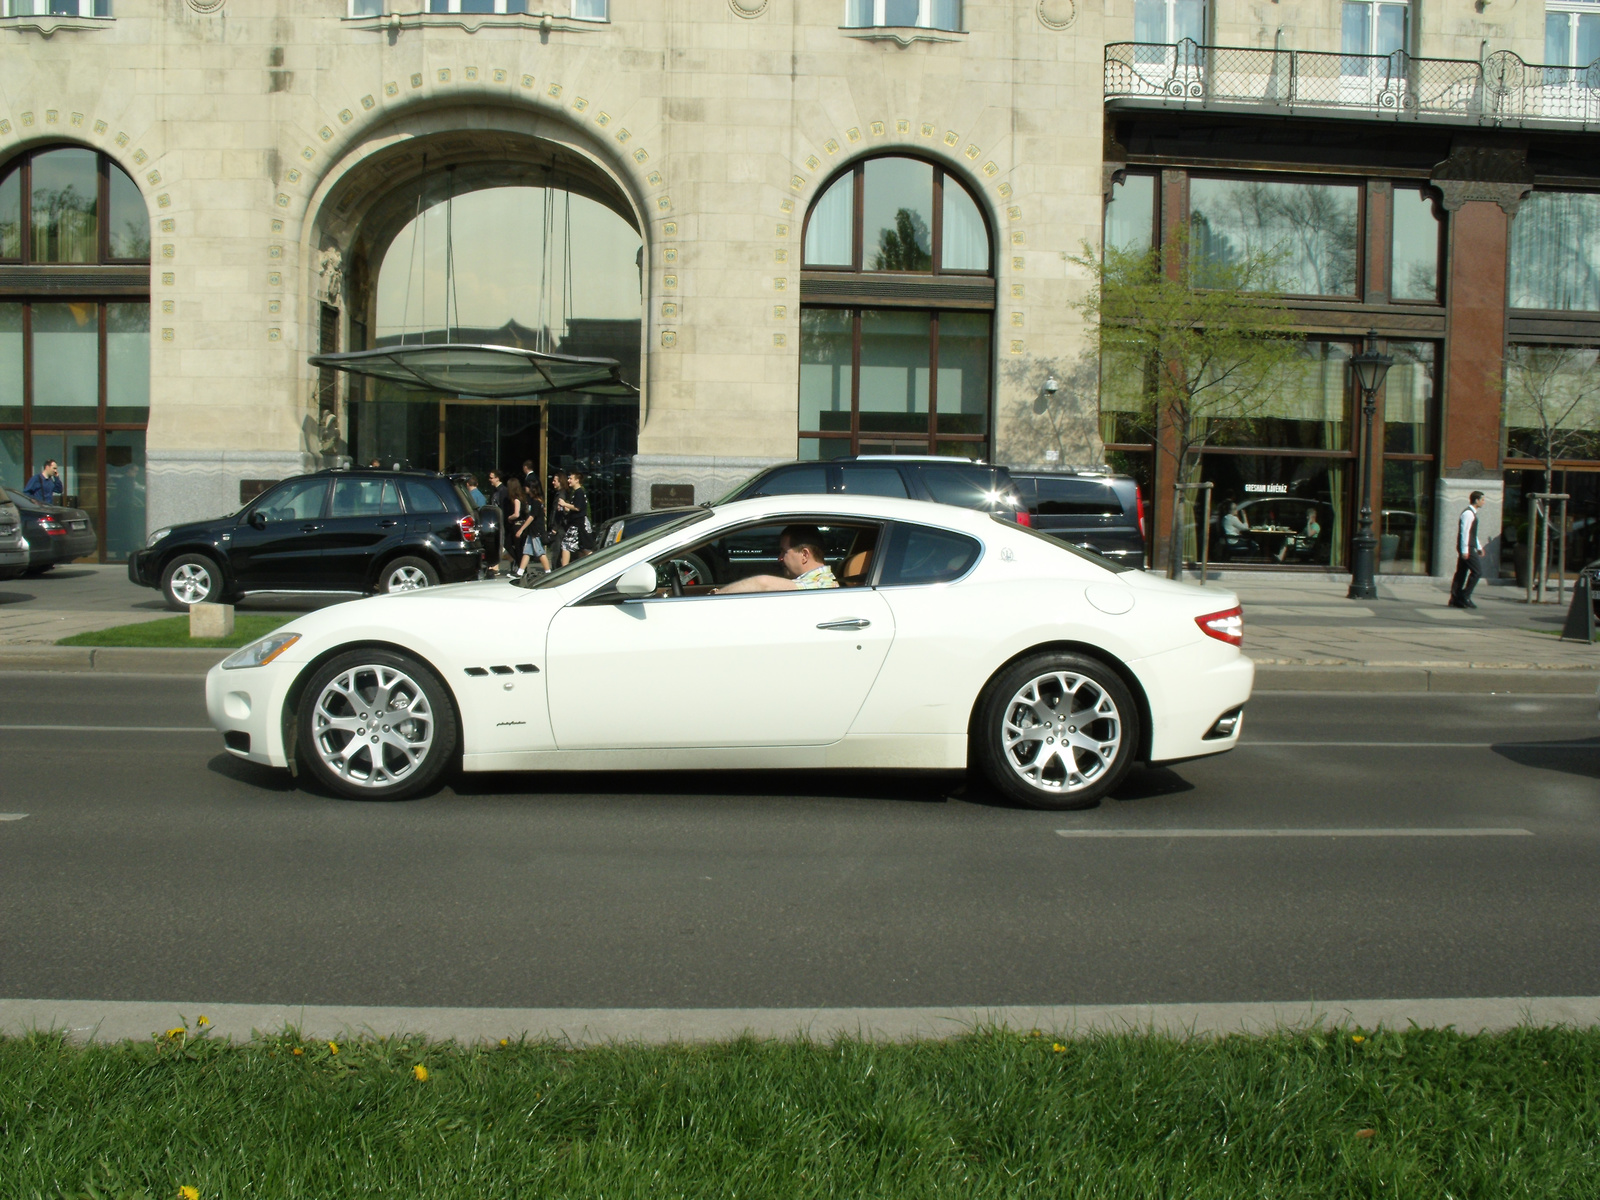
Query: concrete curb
[1527, 679]
[120, 660]
[111, 1020]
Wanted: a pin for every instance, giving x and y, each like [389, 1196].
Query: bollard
[1580, 617]
[210, 620]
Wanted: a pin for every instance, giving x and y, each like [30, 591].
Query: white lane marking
[12, 816]
[1578, 745]
[106, 729]
[1490, 831]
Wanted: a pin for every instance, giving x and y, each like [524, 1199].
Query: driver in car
[800, 552]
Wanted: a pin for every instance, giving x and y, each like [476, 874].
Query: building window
[1131, 215]
[1371, 27]
[1416, 243]
[1571, 35]
[897, 214]
[1311, 229]
[1410, 435]
[582, 10]
[75, 352]
[1168, 21]
[1555, 252]
[366, 8]
[922, 14]
[58, 8]
[591, 10]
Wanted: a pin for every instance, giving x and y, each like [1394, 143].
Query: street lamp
[1370, 367]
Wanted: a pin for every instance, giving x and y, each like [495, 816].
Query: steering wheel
[674, 577]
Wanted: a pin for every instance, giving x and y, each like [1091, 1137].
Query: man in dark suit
[1469, 554]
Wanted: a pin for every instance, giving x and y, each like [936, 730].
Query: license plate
[78, 524]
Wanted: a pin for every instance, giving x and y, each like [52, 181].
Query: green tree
[906, 246]
[1193, 350]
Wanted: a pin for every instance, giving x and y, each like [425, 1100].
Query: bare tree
[1553, 403]
[1205, 343]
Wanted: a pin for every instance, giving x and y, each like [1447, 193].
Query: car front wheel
[407, 575]
[375, 724]
[191, 579]
[1056, 731]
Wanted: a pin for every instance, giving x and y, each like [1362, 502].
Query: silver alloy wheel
[372, 725]
[1061, 732]
[406, 579]
[191, 584]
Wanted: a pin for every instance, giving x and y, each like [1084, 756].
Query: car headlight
[260, 653]
[614, 534]
[156, 537]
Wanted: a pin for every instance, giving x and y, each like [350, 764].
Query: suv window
[873, 481]
[420, 498]
[364, 498]
[1075, 497]
[973, 487]
[296, 500]
[920, 555]
[808, 479]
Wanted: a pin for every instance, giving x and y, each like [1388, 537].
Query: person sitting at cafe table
[801, 552]
[1235, 527]
[1308, 536]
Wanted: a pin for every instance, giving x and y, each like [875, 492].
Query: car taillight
[51, 526]
[1138, 507]
[469, 529]
[1225, 626]
[1024, 518]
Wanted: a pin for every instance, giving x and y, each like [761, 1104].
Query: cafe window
[1309, 231]
[1555, 252]
[75, 350]
[1410, 412]
[1552, 402]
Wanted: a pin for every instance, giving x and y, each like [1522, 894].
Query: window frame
[11, 7]
[1571, 8]
[502, 8]
[925, 11]
[1441, 258]
[21, 166]
[857, 171]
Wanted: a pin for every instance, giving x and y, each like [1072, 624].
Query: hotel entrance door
[478, 436]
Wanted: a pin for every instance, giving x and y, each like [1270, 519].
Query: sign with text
[1271, 489]
[671, 495]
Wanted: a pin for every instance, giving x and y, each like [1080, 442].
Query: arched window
[75, 345]
[896, 317]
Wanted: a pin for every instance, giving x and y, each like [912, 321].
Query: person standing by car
[45, 486]
[1469, 554]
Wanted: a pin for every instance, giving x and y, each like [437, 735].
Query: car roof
[921, 512]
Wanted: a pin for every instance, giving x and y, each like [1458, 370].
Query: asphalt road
[152, 866]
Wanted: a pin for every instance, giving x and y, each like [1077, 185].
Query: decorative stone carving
[748, 9]
[1057, 14]
[206, 7]
[1480, 169]
[330, 276]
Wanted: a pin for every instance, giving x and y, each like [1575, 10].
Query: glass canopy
[483, 372]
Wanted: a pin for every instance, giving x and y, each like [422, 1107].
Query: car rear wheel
[407, 575]
[1056, 731]
[376, 725]
[191, 579]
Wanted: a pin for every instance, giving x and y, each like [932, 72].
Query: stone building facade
[285, 150]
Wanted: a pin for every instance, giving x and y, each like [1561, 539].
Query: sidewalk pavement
[1303, 633]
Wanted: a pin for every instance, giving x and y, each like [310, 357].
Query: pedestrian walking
[515, 510]
[1469, 554]
[45, 486]
[579, 499]
[532, 532]
[472, 491]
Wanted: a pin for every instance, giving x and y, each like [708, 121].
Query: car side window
[297, 500]
[364, 498]
[874, 481]
[753, 550]
[919, 555]
[808, 479]
[420, 498]
[963, 489]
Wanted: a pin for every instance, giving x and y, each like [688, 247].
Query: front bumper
[245, 706]
[138, 573]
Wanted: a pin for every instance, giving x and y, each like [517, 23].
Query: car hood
[418, 612]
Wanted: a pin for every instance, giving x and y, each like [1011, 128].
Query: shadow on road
[1146, 783]
[15, 597]
[1578, 757]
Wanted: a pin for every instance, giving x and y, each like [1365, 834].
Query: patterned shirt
[817, 577]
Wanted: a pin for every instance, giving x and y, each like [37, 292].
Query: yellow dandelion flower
[505, 1041]
[333, 1047]
[1058, 1047]
[176, 1033]
[1357, 1038]
[297, 1052]
[202, 1021]
[188, 1193]
[420, 1073]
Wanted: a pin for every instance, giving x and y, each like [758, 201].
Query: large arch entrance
[478, 239]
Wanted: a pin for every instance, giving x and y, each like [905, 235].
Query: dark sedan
[55, 534]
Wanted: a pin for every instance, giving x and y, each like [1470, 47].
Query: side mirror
[258, 519]
[637, 580]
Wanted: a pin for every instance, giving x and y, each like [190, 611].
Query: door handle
[847, 623]
[310, 528]
[387, 524]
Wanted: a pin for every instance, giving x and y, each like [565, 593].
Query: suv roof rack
[940, 458]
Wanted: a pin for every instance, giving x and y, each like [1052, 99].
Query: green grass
[1415, 1114]
[174, 631]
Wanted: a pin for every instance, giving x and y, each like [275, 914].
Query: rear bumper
[1188, 690]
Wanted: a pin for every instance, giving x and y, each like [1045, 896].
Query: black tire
[191, 579]
[686, 570]
[349, 738]
[407, 574]
[1067, 688]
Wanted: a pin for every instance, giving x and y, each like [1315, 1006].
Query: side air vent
[501, 670]
[476, 671]
[527, 668]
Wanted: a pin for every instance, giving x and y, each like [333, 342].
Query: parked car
[955, 637]
[954, 481]
[56, 534]
[355, 531]
[13, 546]
[1095, 511]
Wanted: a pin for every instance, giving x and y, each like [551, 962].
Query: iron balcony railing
[1500, 90]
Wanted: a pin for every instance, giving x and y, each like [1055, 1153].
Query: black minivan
[355, 531]
[1094, 511]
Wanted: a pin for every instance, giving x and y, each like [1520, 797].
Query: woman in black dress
[575, 528]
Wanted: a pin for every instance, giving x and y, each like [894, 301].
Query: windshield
[582, 566]
[1086, 555]
[728, 497]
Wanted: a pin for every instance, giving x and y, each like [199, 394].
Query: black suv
[333, 531]
[907, 477]
[1098, 512]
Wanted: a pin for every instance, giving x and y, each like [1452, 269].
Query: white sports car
[952, 638]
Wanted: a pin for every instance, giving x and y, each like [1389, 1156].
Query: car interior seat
[857, 564]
